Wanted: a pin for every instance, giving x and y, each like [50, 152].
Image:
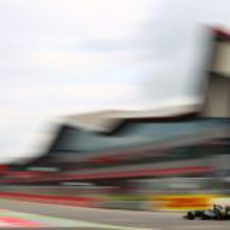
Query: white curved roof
[106, 120]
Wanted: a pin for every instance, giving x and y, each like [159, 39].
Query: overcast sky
[69, 56]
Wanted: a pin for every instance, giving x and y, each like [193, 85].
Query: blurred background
[115, 104]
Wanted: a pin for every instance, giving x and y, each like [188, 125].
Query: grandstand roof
[109, 119]
[72, 140]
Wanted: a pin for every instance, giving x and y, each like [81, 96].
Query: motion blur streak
[135, 99]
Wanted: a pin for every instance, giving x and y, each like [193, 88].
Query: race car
[216, 213]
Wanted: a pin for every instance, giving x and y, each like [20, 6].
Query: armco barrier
[182, 202]
[110, 202]
[153, 203]
[124, 205]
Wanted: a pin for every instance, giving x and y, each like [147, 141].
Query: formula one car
[216, 213]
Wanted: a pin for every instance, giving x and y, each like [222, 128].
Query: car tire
[203, 217]
[218, 217]
[190, 216]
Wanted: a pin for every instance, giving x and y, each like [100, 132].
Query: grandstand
[116, 147]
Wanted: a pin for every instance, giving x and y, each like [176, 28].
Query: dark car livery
[216, 213]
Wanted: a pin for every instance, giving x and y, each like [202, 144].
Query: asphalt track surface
[65, 217]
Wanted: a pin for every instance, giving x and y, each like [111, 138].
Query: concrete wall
[218, 97]
[222, 59]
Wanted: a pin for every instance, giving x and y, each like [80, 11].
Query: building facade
[128, 149]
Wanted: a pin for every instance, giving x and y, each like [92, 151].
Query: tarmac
[15, 214]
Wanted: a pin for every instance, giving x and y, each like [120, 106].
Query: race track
[36, 215]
